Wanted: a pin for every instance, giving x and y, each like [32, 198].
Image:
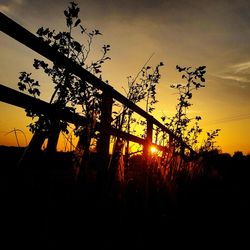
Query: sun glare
[153, 149]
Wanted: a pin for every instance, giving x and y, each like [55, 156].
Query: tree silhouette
[70, 91]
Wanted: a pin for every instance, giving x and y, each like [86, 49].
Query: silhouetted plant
[16, 135]
[186, 128]
[69, 91]
[209, 142]
[141, 88]
[180, 122]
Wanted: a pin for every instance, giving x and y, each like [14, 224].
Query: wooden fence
[109, 94]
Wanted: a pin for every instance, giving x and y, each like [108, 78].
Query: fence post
[149, 138]
[53, 137]
[147, 153]
[106, 117]
[171, 152]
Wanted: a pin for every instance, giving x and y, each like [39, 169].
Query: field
[43, 206]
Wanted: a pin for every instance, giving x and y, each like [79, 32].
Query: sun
[153, 149]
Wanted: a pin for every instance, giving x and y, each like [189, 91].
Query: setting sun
[153, 149]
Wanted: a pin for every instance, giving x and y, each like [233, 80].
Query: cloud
[4, 8]
[238, 74]
[236, 78]
[241, 67]
[9, 6]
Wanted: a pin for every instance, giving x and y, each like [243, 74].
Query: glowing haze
[187, 33]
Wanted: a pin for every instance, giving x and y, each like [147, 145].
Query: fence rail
[14, 30]
[24, 101]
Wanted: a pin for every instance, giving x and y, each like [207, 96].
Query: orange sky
[187, 33]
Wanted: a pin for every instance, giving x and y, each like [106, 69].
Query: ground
[43, 207]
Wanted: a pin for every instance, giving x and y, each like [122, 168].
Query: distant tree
[238, 154]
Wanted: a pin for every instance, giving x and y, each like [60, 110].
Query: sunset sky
[215, 33]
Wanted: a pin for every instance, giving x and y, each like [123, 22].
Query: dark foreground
[42, 207]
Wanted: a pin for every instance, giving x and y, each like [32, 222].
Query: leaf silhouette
[77, 22]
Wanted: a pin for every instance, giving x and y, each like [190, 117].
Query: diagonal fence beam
[24, 101]
[21, 100]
